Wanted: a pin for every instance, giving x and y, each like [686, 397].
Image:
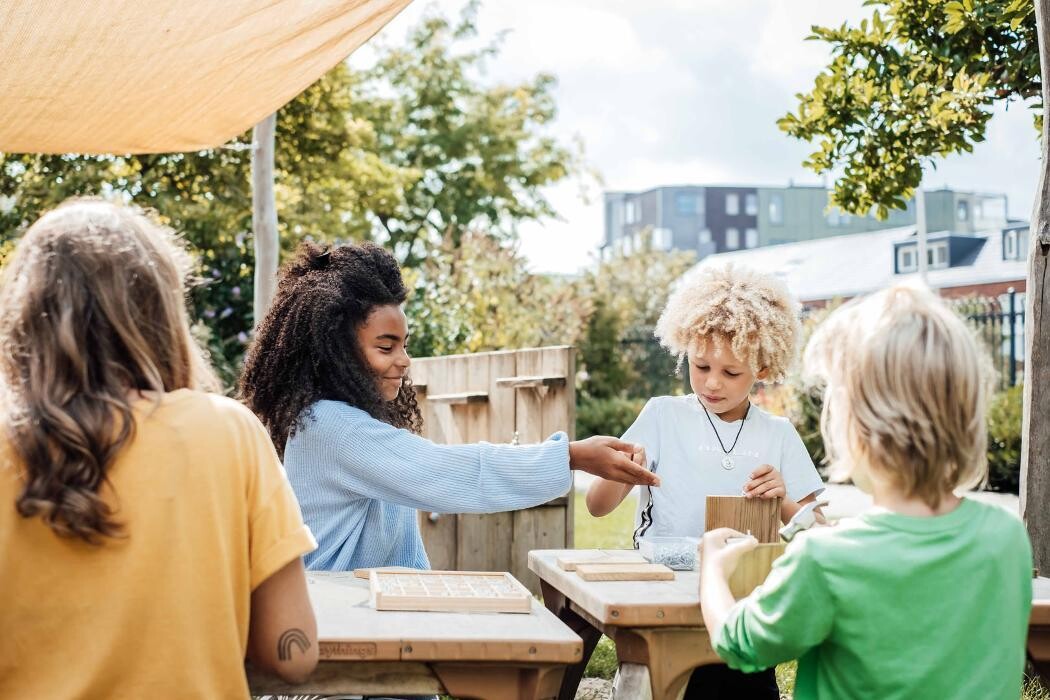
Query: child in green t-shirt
[926, 595]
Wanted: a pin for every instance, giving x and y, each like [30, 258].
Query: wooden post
[1035, 427]
[264, 216]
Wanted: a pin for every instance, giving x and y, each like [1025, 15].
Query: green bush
[607, 416]
[603, 662]
[1004, 440]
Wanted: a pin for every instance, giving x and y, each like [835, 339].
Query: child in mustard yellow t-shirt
[149, 539]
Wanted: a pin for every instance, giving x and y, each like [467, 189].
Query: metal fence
[999, 321]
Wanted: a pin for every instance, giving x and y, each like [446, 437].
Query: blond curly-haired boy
[733, 327]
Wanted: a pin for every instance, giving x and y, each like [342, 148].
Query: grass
[614, 532]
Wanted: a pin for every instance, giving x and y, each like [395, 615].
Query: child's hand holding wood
[765, 482]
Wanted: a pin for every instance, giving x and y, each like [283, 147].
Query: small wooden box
[759, 516]
[448, 591]
[753, 567]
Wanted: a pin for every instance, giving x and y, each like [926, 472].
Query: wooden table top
[348, 628]
[624, 603]
[667, 603]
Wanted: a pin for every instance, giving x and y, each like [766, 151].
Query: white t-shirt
[680, 442]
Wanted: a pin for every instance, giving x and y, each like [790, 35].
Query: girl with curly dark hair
[328, 376]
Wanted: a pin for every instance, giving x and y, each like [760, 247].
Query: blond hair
[907, 385]
[92, 308]
[752, 314]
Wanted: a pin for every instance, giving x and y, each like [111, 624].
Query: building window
[1010, 246]
[907, 260]
[685, 203]
[705, 236]
[732, 204]
[776, 208]
[751, 238]
[751, 204]
[732, 239]
[630, 212]
[962, 210]
[937, 255]
[662, 239]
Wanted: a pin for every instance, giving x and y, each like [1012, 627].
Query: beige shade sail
[142, 76]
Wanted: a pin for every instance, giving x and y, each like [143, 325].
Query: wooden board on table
[367, 573]
[571, 561]
[624, 572]
[458, 591]
[759, 516]
[753, 567]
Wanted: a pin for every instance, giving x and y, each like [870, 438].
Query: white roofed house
[985, 265]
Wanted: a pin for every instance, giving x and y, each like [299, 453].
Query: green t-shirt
[890, 606]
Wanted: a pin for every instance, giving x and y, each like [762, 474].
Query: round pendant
[727, 463]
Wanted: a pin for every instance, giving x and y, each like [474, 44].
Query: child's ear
[762, 374]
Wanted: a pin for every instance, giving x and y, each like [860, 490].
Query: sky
[666, 92]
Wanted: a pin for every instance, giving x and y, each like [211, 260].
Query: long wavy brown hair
[92, 312]
[306, 348]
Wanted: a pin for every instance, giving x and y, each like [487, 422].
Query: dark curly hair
[299, 355]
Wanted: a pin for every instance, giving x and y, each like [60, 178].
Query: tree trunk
[1035, 428]
[264, 216]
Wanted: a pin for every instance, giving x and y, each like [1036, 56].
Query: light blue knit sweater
[360, 481]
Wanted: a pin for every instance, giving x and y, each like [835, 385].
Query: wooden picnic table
[659, 634]
[492, 656]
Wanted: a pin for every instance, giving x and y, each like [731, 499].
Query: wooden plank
[444, 427]
[624, 572]
[530, 382]
[759, 516]
[1041, 601]
[753, 567]
[502, 421]
[483, 542]
[366, 573]
[535, 528]
[1035, 423]
[455, 591]
[439, 531]
[554, 410]
[600, 556]
[440, 534]
[460, 398]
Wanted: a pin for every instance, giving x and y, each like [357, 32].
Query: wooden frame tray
[448, 591]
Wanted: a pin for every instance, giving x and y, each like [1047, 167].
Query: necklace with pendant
[727, 460]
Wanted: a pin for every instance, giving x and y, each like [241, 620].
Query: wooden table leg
[632, 681]
[1039, 652]
[500, 682]
[669, 653]
[557, 604]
